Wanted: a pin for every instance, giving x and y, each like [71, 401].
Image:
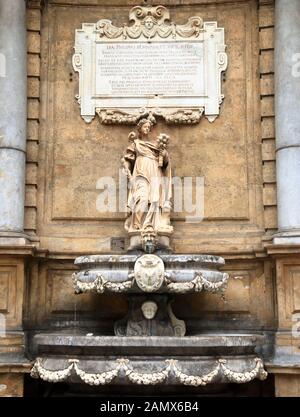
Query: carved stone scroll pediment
[152, 65]
[149, 22]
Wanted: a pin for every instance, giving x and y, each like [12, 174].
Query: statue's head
[149, 309]
[144, 126]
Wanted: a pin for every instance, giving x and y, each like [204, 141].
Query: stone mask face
[149, 309]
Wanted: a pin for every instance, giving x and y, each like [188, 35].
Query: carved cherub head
[149, 22]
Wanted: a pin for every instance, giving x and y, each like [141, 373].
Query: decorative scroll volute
[158, 13]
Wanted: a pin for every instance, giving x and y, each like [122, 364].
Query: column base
[291, 237]
[16, 239]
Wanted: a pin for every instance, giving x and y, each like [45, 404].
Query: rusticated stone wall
[235, 155]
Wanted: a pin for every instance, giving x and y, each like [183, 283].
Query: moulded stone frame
[127, 110]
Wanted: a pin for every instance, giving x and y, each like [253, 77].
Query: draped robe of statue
[150, 190]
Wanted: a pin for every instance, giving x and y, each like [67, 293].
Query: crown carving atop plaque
[150, 22]
[151, 66]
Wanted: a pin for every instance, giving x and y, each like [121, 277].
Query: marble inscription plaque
[153, 69]
[153, 65]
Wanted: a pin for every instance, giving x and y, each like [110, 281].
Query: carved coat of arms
[149, 272]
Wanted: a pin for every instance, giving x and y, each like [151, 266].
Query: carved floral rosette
[150, 25]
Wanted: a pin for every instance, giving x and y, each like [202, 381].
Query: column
[13, 114]
[287, 105]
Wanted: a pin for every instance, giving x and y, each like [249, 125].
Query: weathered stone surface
[266, 62]
[287, 385]
[11, 385]
[266, 16]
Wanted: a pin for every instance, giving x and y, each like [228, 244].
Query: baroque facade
[51, 160]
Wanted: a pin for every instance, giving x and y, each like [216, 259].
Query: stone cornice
[287, 250]
[166, 3]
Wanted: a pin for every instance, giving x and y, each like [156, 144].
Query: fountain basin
[182, 273]
[102, 360]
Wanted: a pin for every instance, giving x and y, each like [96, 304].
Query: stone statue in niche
[147, 165]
